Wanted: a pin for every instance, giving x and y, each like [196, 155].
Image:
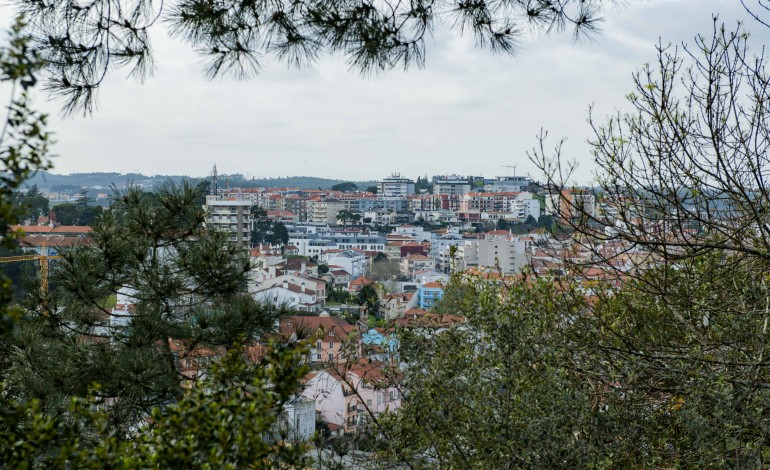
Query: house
[349, 395]
[292, 296]
[313, 284]
[412, 263]
[394, 305]
[337, 276]
[352, 261]
[378, 345]
[430, 293]
[358, 283]
[328, 333]
[296, 422]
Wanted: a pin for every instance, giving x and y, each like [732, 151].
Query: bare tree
[685, 173]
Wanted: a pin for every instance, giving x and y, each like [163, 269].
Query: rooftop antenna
[509, 167]
[213, 188]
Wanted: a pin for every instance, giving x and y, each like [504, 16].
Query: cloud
[469, 111]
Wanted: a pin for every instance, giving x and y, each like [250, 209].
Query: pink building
[348, 395]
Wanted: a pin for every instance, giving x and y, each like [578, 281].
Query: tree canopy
[82, 44]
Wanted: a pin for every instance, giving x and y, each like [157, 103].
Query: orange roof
[433, 285]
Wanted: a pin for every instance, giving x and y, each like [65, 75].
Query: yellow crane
[43, 261]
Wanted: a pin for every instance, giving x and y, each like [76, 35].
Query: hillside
[74, 182]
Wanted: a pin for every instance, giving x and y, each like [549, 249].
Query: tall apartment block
[230, 214]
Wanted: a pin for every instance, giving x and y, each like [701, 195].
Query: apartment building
[395, 185]
[230, 214]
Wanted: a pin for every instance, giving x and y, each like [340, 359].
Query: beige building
[230, 214]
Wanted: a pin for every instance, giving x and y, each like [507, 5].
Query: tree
[79, 213]
[266, 230]
[187, 286]
[371, 189]
[503, 224]
[423, 185]
[345, 187]
[33, 203]
[368, 296]
[670, 369]
[234, 37]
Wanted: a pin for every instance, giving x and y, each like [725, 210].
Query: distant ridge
[76, 181]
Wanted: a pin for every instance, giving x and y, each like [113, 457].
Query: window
[369, 403]
[331, 357]
[318, 345]
[331, 332]
[331, 344]
[394, 394]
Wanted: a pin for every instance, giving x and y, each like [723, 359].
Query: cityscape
[508, 235]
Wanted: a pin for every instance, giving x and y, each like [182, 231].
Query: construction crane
[43, 261]
[510, 166]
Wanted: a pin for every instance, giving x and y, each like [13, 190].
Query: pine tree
[187, 287]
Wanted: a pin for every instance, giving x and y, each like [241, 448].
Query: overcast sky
[467, 112]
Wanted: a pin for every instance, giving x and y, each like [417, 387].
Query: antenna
[510, 166]
[213, 188]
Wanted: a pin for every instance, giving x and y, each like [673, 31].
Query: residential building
[414, 263]
[451, 185]
[296, 422]
[231, 215]
[327, 333]
[347, 396]
[354, 262]
[503, 252]
[509, 184]
[428, 294]
[395, 185]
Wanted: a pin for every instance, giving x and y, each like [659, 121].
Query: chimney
[286, 285]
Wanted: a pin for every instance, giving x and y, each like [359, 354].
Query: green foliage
[345, 187]
[188, 287]
[368, 296]
[423, 185]
[371, 189]
[76, 214]
[348, 216]
[267, 231]
[540, 377]
[221, 422]
[32, 203]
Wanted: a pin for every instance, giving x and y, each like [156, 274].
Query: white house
[354, 262]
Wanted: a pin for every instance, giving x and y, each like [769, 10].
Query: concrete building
[501, 251]
[324, 211]
[451, 185]
[508, 184]
[232, 215]
[395, 185]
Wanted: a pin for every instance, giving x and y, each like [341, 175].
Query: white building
[525, 205]
[292, 296]
[232, 215]
[452, 185]
[353, 262]
[395, 185]
[296, 422]
[501, 251]
[417, 233]
[508, 184]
